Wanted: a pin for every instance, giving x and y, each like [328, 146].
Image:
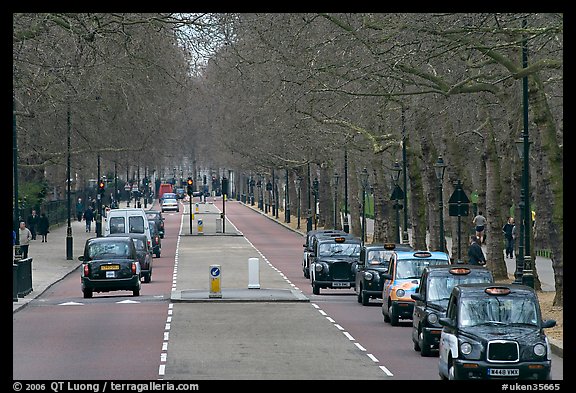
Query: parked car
[156, 215]
[402, 279]
[170, 205]
[373, 264]
[156, 240]
[333, 263]
[494, 331]
[431, 300]
[144, 253]
[110, 264]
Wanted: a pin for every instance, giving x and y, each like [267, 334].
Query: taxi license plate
[110, 267]
[504, 372]
[341, 284]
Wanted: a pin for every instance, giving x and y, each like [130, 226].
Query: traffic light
[189, 183]
[101, 187]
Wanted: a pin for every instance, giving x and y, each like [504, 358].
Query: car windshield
[339, 249]
[103, 250]
[139, 244]
[169, 201]
[379, 257]
[497, 310]
[412, 268]
[440, 287]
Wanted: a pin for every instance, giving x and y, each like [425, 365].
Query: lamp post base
[528, 276]
[69, 248]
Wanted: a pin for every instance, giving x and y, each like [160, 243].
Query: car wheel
[306, 273]
[451, 370]
[393, 316]
[386, 317]
[87, 293]
[136, 291]
[147, 277]
[365, 298]
[157, 254]
[415, 345]
[359, 297]
[424, 349]
[315, 289]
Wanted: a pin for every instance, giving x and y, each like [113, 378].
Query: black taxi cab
[494, 331]
[402, 279]
[309, 247]
[333, 263]
[431, 299]
[374, 262]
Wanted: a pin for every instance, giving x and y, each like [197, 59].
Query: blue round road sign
[215, 272]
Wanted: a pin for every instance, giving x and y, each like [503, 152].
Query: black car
[308, 245]
[494, 331]
[374, 262]
[144, 252]
[333, 263]
[156, 215]
[156, 241]
[110, 264]
[431, 299]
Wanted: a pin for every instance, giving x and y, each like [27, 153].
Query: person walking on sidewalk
[509, 231]
[88, 216]
[480, 224]
[43, 227]
[25, 237]
[475, 253]
[33, 220]
[79, 209]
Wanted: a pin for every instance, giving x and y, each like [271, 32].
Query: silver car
[170, 205]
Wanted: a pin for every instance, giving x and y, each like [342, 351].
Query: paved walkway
[49, 263]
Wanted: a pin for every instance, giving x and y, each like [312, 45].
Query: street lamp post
[405, 239]
[69, 239]
[287, 199]
[395, 196]
[523, 273]
[440, 168]
[260, 195]
[309, 211]
[364, 181]
[346, 226]
[298, 182]
[336, 178]
[315, 184]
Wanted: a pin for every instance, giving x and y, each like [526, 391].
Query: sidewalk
[49, 263]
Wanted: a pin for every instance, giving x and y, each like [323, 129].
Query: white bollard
[253, 273]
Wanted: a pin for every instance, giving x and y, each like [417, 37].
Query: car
[127, 221]
[494, 331]
[333, 263]
[180, 193]
[373, 263]
[110, 264]
[168, 195]
[144, 253]
[156, 240]
[170, 205]
[156, 215]
[402, 279]
[309, 246]
[431, 299]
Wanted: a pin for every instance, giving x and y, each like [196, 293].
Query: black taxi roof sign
[422, 254]
[389, 246]
[459, 271]
[497, 291]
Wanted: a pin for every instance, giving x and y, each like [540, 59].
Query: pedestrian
[480, 224]
[25, 237]
[44, 227]
[88, 216]
[475, 253]
[509, 231]
[79, 209]
[33, 220]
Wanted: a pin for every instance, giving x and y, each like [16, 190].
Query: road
[61, 336]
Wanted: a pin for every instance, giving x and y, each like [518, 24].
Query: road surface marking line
[373, 358]
[161, 369]
[338, 326]
[349, 336]
[322, 312]
[360, 347]
[386, 371]
[330, 319]
[315, 305]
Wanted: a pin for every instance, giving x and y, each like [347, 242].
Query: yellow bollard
[215, 278]
[196, 207]
[200, 227]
